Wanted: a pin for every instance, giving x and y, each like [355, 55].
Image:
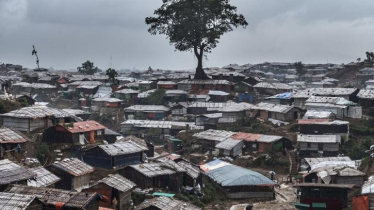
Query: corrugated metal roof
[135, 139]
[127, 91]
[12, 172]
[166, 203]
[246, 136]
[236, 107]
[319, 138]
[147, 108]
[109, 100]
[36, 112]
[73, 166]
[166, 83]
[122, 148]
[316, 114]
[214, 135]
[232, 175]
[50, 195]
[323, 122]
[267, 85]
[86, 83]
[118, 182]
[13, 201]
[162, 124]
[228, 144]
[43, 178]
[272, 107]
[313, 161]
[154, 169]
[75, 111]
[330, 100]
[11, 136]
[366, 94]
[321, 185]
[191, 170]
[83, 126]
[323, 92]
[206, 82]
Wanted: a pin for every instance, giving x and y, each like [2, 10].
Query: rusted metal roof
[51, 196]
[84, 126]
[8, 135]
[12, 172]
[118, 182]
[13, 201]
[73, 166]
[246, 136]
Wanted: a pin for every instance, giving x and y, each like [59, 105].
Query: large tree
[300, 70]
[112, 74]
[195, 25]
[88, 68]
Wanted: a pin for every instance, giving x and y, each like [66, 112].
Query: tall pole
[35, 53]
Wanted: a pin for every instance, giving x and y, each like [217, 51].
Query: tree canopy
[195, 25]
[156, 97]
[300, 70]
[88, 68]
[112, 74]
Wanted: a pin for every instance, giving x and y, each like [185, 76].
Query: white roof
[319, 138]
[272, 107]
[161, 124]
[273, 86]
[228, 144]
[317, 114]
[147, 108]
[331, 100]
[214, 135]
[127, 91]
[110, 100]
[368, 94]
[323, 92]
[122, 148]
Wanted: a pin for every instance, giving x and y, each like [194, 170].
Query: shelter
[56, 198]
[334, 195]
[106, 102]
[12, 173]
[113, 156]
[165, 203]
[31, 118]
[141, 142]
[116, 188]
[152, 112]
[275, 111]
[165, 174]
[339, 106]
[366, 98]
[9, 140]
[282, 98]
[328, 145]
[193, 175]
[126, 94]
[14, 201]
[78, 133]
[195, 85]
[266, 88]
[324, 126]
[74, 174]
[237, 182]
[262, 142]
[42, 178]
[230, 147]
[210, 138]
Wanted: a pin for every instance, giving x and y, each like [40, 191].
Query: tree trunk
[200, 73]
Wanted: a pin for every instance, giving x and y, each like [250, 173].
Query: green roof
[301, 205]
[163, 194]
[319, 205]
[174, 139]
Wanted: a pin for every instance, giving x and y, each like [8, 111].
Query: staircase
[294, 166]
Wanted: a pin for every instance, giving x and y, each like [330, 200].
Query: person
[19, 148]
[272, 175]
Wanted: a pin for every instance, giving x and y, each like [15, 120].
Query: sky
[113, 33]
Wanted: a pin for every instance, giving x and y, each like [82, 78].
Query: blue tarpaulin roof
[232, 175]
[286, 95]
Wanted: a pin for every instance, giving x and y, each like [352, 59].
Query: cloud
[69, 32]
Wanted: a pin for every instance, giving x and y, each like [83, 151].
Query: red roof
[62, 81]
[84, 126]
[311, 121]
[246, 136]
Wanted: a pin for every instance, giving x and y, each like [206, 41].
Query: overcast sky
[68, 32]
